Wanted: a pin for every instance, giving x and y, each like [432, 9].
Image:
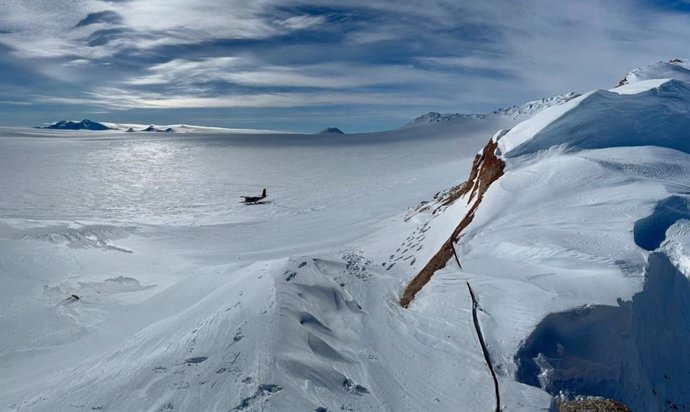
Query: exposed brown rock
[454, 193]
[675, 61]
[486, 169]
[591, 405]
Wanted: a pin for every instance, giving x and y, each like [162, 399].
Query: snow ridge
[678, 69]
[602, 119]
[513, 112]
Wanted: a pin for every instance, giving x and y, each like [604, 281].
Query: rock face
[486, 169]
[592, 404]
[71, 125]
[331, 130]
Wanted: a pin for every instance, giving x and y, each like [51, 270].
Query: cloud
[244, 71]
[443, 55]
[118, 99]
[302, 22]
[105, 16]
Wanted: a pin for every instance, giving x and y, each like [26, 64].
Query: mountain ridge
[514, 112]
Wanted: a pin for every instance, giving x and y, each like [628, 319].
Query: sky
[360, 65]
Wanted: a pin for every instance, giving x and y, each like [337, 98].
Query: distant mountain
[136, 127]
[514, 112]
[331, 130]
[85, 124]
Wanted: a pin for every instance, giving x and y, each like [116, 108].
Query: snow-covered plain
[189, 300]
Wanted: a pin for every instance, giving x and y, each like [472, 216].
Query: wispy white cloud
[302, 22]
[458, 55]
[245, 71]
[15, 102]
[118, 99]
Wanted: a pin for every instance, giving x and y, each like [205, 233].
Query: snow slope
[564, 249]
[572, 275]
[169, 266]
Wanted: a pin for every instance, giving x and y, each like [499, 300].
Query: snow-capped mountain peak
[516, 112]
[85, 124]
[535, 106]
[678, 69]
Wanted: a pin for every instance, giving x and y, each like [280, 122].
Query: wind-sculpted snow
[602, 119]
[84, 236]
[650, 231]
[632, 352]
[673, 69]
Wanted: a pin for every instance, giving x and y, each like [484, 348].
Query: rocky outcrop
[592, 404]
[486, 169]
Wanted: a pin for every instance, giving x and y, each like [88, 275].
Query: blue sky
[304, 65]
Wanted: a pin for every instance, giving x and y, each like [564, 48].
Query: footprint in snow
[262, 391]
[353, 387]
[198, 359]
